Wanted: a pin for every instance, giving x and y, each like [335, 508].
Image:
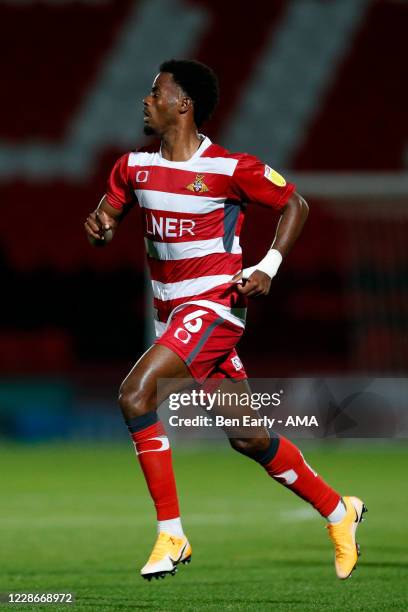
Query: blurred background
[313, 87]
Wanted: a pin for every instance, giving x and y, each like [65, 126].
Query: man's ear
[185, 104]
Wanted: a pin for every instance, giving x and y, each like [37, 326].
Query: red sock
[290, 469]
[154, 454]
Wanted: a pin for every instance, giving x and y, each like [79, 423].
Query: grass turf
[79, 519]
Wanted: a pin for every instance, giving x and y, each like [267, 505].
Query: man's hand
[101, 224]
[97, 227]
[258, 283]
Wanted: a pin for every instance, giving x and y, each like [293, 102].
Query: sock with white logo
[338, 513]
[171, 526]
[154, 453]
[285, 463]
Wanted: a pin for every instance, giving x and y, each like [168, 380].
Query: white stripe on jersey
[172, 251]
[175, 202]
[214, 165]
[188, 288]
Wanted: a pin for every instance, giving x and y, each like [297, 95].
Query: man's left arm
[257, 279]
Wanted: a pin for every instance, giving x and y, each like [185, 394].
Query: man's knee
[250, 446]
[136, 399]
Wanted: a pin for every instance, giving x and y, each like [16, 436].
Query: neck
[180, 144]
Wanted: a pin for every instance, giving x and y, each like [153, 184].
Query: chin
[149, 131]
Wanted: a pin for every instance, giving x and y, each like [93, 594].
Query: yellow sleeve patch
[274, 177]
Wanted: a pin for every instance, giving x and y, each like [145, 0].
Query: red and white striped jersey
[192, 216]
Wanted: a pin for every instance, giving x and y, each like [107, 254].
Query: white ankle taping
[338, 513]
[172, 526]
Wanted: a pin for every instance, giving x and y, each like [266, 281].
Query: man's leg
[284, 462]
[138, 400]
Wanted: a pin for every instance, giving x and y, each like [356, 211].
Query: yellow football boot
[167, 553]
[343, 534]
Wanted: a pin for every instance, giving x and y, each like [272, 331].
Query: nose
[146, 100]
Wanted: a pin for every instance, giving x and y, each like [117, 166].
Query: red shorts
[205, 342]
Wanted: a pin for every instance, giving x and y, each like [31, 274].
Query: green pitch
[79, 519]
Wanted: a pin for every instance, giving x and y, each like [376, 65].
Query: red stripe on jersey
[170, 226]
[184, 269]
[226, 294]
[172, 180]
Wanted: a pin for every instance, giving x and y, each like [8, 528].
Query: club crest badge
[198, 186]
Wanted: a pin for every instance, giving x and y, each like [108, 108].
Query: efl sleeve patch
[253, 181]
[274, 177]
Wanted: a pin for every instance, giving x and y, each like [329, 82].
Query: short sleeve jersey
[193, 213]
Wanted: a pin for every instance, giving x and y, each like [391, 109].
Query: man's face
[160, 106]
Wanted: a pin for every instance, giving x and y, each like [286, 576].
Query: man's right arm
[102, 223]
[119, 198]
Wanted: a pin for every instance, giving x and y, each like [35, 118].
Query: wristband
[269, 264]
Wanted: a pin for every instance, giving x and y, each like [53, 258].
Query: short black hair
[199, 82]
